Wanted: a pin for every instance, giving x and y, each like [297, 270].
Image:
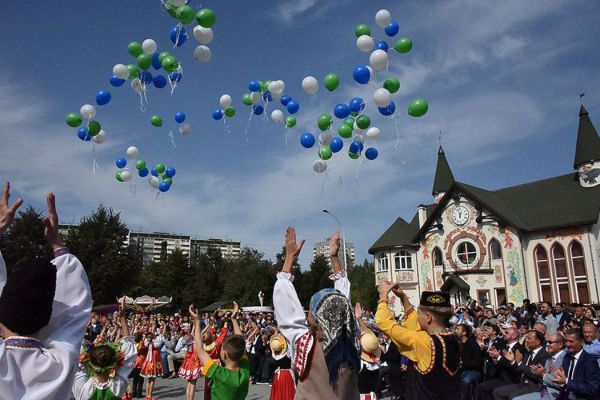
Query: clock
[460, 215]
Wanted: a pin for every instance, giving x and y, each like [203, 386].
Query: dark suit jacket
[563, 318]
[586, 379]
[540, 358]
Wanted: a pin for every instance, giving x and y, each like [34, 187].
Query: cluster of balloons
[92, 130]
[310, 84]
[161, 177]
[261, 94]
[225, 109]
[185, 129]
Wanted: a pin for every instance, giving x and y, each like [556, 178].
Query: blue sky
[502, 80]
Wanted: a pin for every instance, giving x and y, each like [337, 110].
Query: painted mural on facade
[426, 269]
[513, 266]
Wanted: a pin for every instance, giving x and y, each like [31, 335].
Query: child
[142, 351]
[229, 382]
[212, 346]
[191, 369]
[284, 382]
[152, 367]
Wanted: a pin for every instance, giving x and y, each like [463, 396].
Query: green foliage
[363, 289]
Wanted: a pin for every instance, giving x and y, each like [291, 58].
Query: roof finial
[581, 98]
[582, 110]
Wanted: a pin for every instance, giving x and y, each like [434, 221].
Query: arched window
[382, 262]
[579, 272]
[495, 250]
[438, 261]
[543, 273]
[561, 273]
[402, 260]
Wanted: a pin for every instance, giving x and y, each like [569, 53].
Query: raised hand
[384, 289]
[236, 309]
[334, 244]
[194, 313]
[291, 247]
[7, 213]
[51, 223]
[358, 311]
[509, 355]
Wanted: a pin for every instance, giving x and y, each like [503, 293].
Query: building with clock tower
[538, 240]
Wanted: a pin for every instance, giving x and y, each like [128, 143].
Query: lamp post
[326, 211]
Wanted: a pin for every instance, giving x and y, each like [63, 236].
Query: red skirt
[152, 367]
[284, 386]
[191, 367]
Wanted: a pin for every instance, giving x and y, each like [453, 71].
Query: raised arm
[198, 345]
[234, 320]
[339, 276]
[7, 215]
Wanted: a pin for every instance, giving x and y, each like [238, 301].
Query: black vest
[442, 379]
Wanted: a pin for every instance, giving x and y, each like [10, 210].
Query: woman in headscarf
[325, 354]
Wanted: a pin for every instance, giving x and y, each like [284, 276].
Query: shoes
[173, 375]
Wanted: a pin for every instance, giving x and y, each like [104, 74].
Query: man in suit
[561, 314]
[579, 375]
[547, 318]
[529, 381]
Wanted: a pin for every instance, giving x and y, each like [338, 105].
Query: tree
[205, 278]
[246, 276]
[362, 285]
[315, 279]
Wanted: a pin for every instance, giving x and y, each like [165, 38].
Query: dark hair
[494, 327]
[546, 302]
[102, 356]
[441, 314]
[235, 347]
[562, 304]
[575, 332]
[467, 328]
[539, 336]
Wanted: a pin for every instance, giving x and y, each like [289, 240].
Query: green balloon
[73, 120]
[353, 156]
[264, 86]
[162, 56]
[185, 14]
[206, 18]
[362, 29]
[417, 108]
[160, 168]
[290, 122]
[229, 112]
[140, 164]
[94, 128]
[349, 121]
[170, 63]
[324, 122]
[363, 122]
[168, 180]
[118, 176]
[325, 152]
[247, 99]
[392, 84]
[134, 71]
[156, 121]
[345, 131]
[332, 81]
[354, 113]
[144, 61]
[403, 45]
[135, 49]
[171, 9]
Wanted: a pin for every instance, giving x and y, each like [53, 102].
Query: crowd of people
[53, 346]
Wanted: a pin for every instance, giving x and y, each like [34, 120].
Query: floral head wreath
[110, 370]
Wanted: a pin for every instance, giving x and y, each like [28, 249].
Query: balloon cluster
[225, 110]
[310, 84]
[161, 176]
[185, 129]
[92, 130]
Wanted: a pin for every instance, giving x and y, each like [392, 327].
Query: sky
[502, 80]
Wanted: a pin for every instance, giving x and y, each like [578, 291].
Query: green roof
[400, 233]
[443, 175]
[588, 142]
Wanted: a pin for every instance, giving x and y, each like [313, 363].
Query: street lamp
[326, 211]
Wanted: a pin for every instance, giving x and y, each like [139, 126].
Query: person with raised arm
[44, 309]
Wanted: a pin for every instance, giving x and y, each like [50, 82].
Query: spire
[588, 142]
[443, 175]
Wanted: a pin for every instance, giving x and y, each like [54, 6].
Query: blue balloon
[254, 86]
[307, 140]
[357, 104]
[257, 109]
[341, 111]
[146, 77]
[392, 29]
[83, 134]
[153, 172]
[178, 35]
[361, 74]
[143, 172]
[170, 172]
[355, 147]
[361, 146]
[336, 144]
[371, 153]
[121, 163]
[389, 110]
[381, 45]
[292, 107]
[179, 117]
[159, 81]
[103, 97]
[116, 82]
[175, 76]
[156, 61]
[217, 114]
[285, 100]
[267, 96]
[164, 186]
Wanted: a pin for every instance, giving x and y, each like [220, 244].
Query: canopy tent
[145, 304]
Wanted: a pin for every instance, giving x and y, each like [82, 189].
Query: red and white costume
[152, 366]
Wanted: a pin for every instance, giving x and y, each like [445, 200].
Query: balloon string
[340, 182]
[325, 179]
[172, 138]
[226, 124]
[397, 132]
[359, 168]
[178, 30]
[248, 125]
[132, 190]
[94, 163]
[156, 197]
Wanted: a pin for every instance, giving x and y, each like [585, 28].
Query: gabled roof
[443, 174]
[454, 280]
[588, 142]
[400, 233]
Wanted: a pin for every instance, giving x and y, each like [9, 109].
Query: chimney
[422, 212]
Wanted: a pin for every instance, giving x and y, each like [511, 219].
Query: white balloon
[356, 129]
[310, 85]
[378, 60]
[277, 94]
[325, 138]
[88, 111]
[126, 175]
[100, 137]
[202, 54]
[277, 116]
[149, 46]
[133, 152]
[121, 71]
[225, 101]
[203, 35]
[382, 97]
[359, 137]
[136, 85]
[373, 133]
[319, 166]
[185, 129]
[255, 97]
[371, 73]
[365, 43]
[178, 3]
[383, 18]
[154, 182]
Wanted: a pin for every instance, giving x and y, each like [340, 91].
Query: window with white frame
[402, 260]
[466, 253]
[382, 263]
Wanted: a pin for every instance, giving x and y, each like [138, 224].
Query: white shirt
[47, 371]
[569, 373]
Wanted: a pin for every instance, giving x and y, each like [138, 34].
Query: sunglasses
[552, 341]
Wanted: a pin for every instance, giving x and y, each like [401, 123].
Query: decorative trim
[444, 355]
[61, 251]
[303, 353]
[22, 342]
[431, 362]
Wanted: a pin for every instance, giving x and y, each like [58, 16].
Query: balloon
[363, 122]
[103, 97]
[229, 112]
[82, 133]
[143, 172]
[159, 81]
[100, 137]
[136, 85]
[264, 85]
[135, 49]
[382, 45]
[185, 14]
[378, 60]
[202, 54]
[126, 175]
[146, 77]
[94, 128]
[118, 176]
[156, 121]
[149, 47]
[341, 111]
[217, 114]
[373, 133]
[175, 76]
[121, 71]
[276, 86]
[332, 81]
[325, 153]
[345, 131]
[116, 81]
[361, 74]
[310, 85]
[255, 97]
[185, 129]
[160, 168]
[140, 164]
[225, 101]
[392, 84]
[293, 107]
[170, 63]
[164, 186]
[203, 35]
[417, 108]
[133, 152]
[392, 29]
[134, 71]
[355, 147]
[371, 153]
[277, 116]
[121, 163]
[364, 43]
[349, 121]
[383, 18]
[361, 30]
[156, 61]
[170, 172]
[144, 61]
[389, 110]
[359, 138]
[153, 171]
[324, 122]
[319, 166]
[178, 35]
[162, 56]
[307, 140]
[357, 104]
[382, 97]
[325, 138]
[254, 86]
[285, 100]
[154, 182]
[257, 109]
[206, 18]
[247, 99]
[403, 45]
[290, 122]
[87, 111]
[267, 97]
[336, 144]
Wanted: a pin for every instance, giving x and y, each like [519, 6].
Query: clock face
[460, 215]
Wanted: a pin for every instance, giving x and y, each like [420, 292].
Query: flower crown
[110, 370]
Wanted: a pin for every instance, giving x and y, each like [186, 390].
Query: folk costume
[368, 377]
[138, 381]
[49, 303]
[433, 370]
[214, 351]
[191, 368]
[152, 366]
[284, 380]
